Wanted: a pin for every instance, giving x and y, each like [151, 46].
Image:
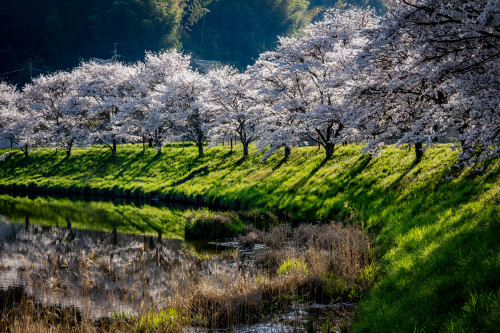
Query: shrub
[209, 225]
[163, 321]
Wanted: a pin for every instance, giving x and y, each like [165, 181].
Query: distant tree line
[57, 34]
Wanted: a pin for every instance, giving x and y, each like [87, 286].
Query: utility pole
[115, 53]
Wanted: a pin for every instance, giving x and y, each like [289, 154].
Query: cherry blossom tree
[98, 99]
[442, 59]
[9, 97]
[235, 110]
[146, 86]
[26, 128]
[310, 76]
[179, 111]
[48, 96]
[19, 123]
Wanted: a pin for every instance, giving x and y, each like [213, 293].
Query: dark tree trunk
[329, 149]
[26, 151]
[68, 149]
[11, 144]
[287, 152]
[418, 151]
[462, 142]
[113, 150]
[115, 236]
[435, 129]
[245, 149]
[26, 223]
[200, 149]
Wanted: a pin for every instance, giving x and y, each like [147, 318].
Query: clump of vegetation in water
[209, 225]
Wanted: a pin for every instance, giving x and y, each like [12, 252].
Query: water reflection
[137, 217]
[97, 272]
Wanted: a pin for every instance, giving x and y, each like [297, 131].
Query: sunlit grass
[437, 237]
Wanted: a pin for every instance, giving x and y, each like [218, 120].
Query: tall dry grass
[312, 263]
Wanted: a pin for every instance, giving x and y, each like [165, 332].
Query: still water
[131, 217]
[101, 257]
[108, 258]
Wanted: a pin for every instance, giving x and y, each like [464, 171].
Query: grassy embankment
[439, 267]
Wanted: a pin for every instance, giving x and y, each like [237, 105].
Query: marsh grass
[228, 291]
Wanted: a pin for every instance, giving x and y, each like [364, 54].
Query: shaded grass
[437, 238]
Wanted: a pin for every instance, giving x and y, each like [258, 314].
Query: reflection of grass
[437, 238]
[196, 294]
[95, 215]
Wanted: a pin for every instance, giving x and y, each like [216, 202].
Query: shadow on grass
[281, 162]
[201, 171]
[305, 179]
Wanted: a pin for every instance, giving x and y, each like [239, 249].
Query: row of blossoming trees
[425, 69]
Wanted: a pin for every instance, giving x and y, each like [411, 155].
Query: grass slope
[438, 239]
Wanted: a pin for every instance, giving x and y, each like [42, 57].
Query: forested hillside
[57, 34]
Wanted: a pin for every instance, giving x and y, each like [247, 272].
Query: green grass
[297, 266]
[437, 239]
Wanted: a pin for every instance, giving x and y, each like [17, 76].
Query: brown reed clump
[331, 259]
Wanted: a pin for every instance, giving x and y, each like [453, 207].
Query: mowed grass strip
[437, 237]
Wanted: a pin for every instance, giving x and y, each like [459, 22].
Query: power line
[40, 70]
[17, 70]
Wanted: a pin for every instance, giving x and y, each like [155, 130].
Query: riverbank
[437, 238]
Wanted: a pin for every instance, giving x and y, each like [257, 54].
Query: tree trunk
[418, 150]
[11, 144]
[462, 142]
[68, 149]
[245, 149]
[287, 152]
[329, 149]
[115, 236]
[26, 151]
[113, 150]
[158, 148]
[435, 129]
[200, 149]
